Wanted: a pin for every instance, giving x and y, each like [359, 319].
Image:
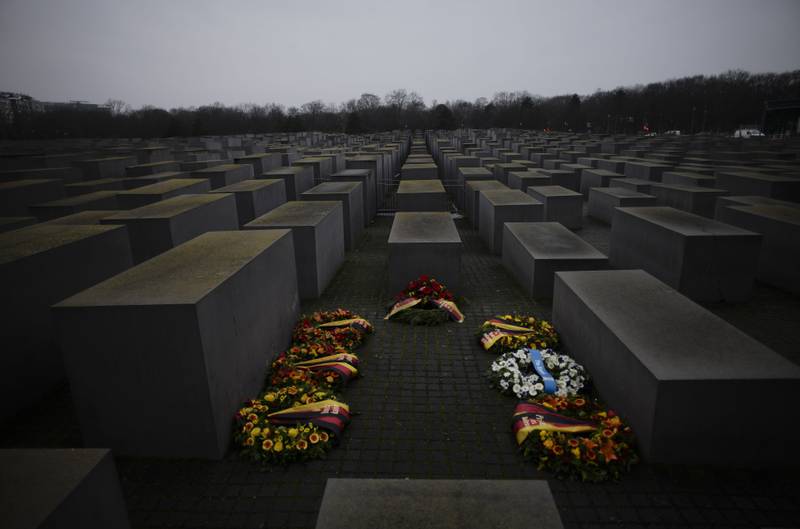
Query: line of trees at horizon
[717, 103]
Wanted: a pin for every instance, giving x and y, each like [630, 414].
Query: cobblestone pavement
[423, 410]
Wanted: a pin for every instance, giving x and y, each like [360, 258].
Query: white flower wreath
[513, 373]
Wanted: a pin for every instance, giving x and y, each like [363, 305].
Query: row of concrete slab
[680, 374]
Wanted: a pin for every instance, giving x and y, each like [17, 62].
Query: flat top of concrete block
[223, 168]
[423, 227]
[552, 240]
[310, 160]
[169, 208]
[692, 343]
[249, 185]
[91, 183]
[5, 221]
[106, 159]
[603, 172]
[161, 176]
[528, 173]
[689, 174]
[283, 171]
[256, 156]
[296, 213]
[482, 185]
[156, 164]
[790, 215]
[754, 200]
[758, 176]
[83, 217]
[414, 166]
[685, 188]
[81, 199]
[420, 186]
[28, 241]
[683, 222]
[362, 158]
[620, 192]
[574, 166]
[166, 186]
[509, 197]
[510, 166]
[36, 481]
[553, 191]
[474, 171]
[351, 173]
[326, 188]
[183, 275]
[633, 181]
[13, 184]
[437, 504]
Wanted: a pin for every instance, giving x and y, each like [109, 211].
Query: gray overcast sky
[185, 53]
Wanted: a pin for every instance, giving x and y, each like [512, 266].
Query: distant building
[74, 105]
[12, 103]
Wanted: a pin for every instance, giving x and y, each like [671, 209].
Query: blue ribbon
[538, 365]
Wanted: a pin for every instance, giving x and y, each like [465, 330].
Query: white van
[748, 133]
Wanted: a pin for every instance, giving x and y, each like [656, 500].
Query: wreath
[425, 301]
[336, 327]
[527, 373]
[574, 437]
[512, 332]
[326, 371]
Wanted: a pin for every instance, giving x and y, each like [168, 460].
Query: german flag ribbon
[501, 330]
[359, 324]
[328, 414]
[449, 307]
[529, 417]
[402, 305]
[344, 364]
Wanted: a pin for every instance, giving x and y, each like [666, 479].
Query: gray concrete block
[255, 197]
[534, 251]
[350, 194]
[753, 183]
[424, 171]
[318, 233]
[153, 168]
[158, 227]
[472, 196]
[560, 204]
[693, 199]
[109, 167]
[779, 259]
[424, 243]
[688, 178]
[702, 258]
[172, 187]
[90, 186]
[646, 170]
[41, 265]
[15, 223]
[17, 195]
[633, 184]
[67, 175]
[261, 162]
[368, 189]
[296, 180]
[522, 180]
[590, 178]
[224, 325]
[568, 179]
[681, 376]
[603, 200]
[422, 195]
[440, 504]
[62, 488]
[225, 175]
[501, 170]
[500, 206]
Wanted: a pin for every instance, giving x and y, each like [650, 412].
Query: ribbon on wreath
[529, 417]
[343, 364]
[448, 306]
[359, 324]
[538, 365]
[501, 330]
[328, 414]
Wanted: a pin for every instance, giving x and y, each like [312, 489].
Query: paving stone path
[423, 409]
